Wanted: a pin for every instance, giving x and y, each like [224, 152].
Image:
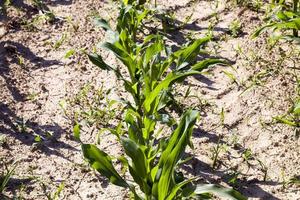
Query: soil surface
[47, 83]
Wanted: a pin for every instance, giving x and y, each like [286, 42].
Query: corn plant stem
[295, 9]
[140, 111]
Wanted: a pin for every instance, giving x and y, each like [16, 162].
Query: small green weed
[235, 28]
[60, 41]
[5, 177]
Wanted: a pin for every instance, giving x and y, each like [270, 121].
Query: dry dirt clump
[47, 83]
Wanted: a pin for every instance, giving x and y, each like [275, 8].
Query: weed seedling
[235, 28]
[216, 150]
[73, 24]
[60, 41]
[5, 177]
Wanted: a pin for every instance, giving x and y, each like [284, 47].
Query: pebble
[44, 37]
[90, 195]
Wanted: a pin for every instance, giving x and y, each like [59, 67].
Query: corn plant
[154, 168]
[285, 17]
[152, 161]
[154, 175]
[149, 81]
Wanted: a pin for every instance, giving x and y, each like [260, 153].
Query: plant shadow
[29, 12]
[11, 70]
[27, 131]
[11, 54]
[251, 188]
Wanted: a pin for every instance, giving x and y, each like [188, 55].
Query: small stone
[83, 68]
[203, 92]
[273, 190]
[44, 37]
[284, 83]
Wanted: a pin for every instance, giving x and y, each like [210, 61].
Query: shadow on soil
[13, 53]
[174, 30]
[14, 184]
[249, 188]
[30, 11]
[14, 74]
[27, 131]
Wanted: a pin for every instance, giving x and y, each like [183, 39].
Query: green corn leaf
[70, 53]
[285, 15]
[117, 49]
[121, 54]
[189, 54]
[262, 29]
[177, 188]
[76, 131]
[153, 50]
[137, 155]
[142, 16]
[170, 79]
[219, 191]
[284, 120]
[98, 61]
[164, 99]
[139, 180]
[139, 166]
[149, 126]
[153, 173]
[207, 63]
[101, 162]
[131, 2]
[172, 154]
[291, 24]
[102, 23]
[7, 177]
[296, 110]
[134, 132]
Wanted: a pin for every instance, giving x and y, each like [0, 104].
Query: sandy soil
[37, 81]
